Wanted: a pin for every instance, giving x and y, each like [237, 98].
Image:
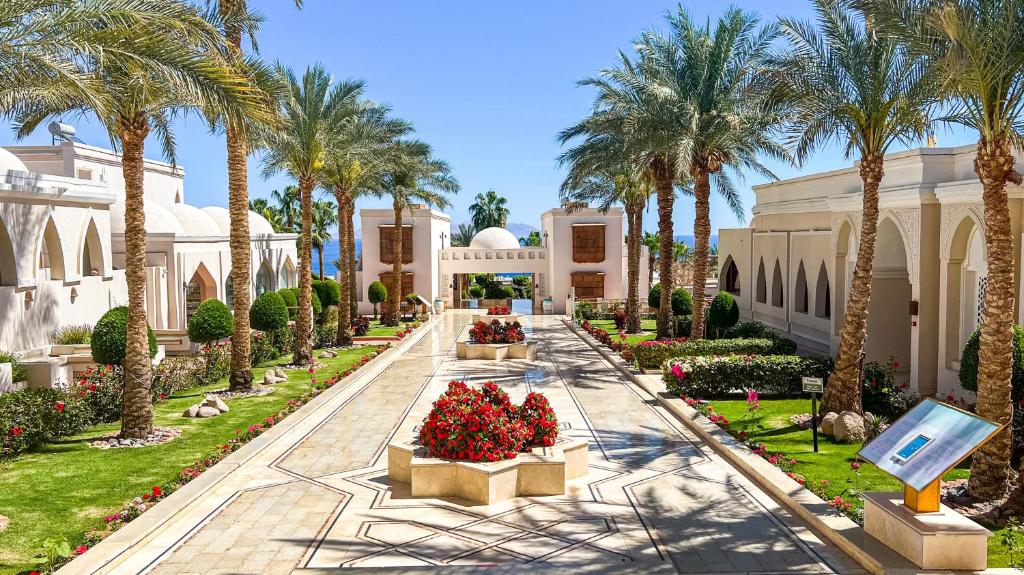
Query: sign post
[814, 385]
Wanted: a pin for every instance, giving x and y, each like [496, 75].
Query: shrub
[284, 339]
[586, 311]
[496, 332]
[318, 307]
[262, 349]
[653, 353]
[268, 312]
[110, 335]
[723, 314]
[711, 377]
[684, 325]
[969, 363]
[290, 296]
[102, 388]
[881, 395]
[72, 335]
[476, 291]
[324, 334]
[18, 372]
[376, 293]
[537, 414]
[498, 310]
[212, 321]
[620, 319]
[31, 417]
[360, 326]
[177, 373]
[682, 303]
[328, 291]
[654, 296]
[756, 329]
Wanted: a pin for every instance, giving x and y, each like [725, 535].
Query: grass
[66, 487]
[770, 425]
[377, 329]
[648, 327]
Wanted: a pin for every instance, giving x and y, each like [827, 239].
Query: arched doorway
[889, 333]
[762, 283]
[264, 279]
[8, 267]
[730, 280]
[822, 295]
[200, 288]
[92, 252]
[778, 288]
[966, 279]
[800, 297]
[51, 254]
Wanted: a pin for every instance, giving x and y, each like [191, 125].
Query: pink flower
[677, 371]
[855, 465]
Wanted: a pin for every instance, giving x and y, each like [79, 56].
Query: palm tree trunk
[634, 219]
[395, 289]
[344, 336]
[990, 466]
[303, 353]
[137, 412]
[844, 388]
[702, 236]
[651, 262]
[350, 257]
[666, 197]
[320, 257]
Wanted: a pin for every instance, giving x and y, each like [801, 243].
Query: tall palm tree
[464, 235]
[489, 211]
[287, 201]
[976, 47]
[132, 99]
[314, 110]
[867, 92]
[414, 177]
[653, 242]
[324, 218]
[714, 74]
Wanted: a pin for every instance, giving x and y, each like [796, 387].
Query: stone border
[873, 555]
[107, 555]
[495, 351]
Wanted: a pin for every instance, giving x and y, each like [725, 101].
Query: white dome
[158, 220]
[8, 161]
[494, 239]
[258, 225]
[220, 216]
[194, 221]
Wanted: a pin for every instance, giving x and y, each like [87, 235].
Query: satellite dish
[63, 132]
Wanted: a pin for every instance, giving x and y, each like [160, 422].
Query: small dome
[10, 162]
[220, 216]
[494, 239]
[194, 221]
[259, 226]
[158, 220]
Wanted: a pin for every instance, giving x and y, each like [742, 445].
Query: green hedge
[328, 291]
[212, 321]
[268, 312]
[969, 363]
[714, 377]
[756, 329]
[723, 314]
[110, 336]
[682, 301]
[31, 417]
[652, 354]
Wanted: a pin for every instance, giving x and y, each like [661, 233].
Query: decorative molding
[952, 216]
[908, 221]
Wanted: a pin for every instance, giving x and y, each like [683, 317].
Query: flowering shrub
[498, 310]
[705, 376]
[262, 348]
[496, 332]
[619, 316]
[360, 326]
[882, 395]
[102, 388]
[30, 417]
[482, 424]
[652, 354]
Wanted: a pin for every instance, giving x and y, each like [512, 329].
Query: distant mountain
[521, 230]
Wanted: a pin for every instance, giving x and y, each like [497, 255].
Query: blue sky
[488, 84]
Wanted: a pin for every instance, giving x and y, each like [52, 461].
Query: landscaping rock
[828, 422]
[207, 411]
[159, 436]
[192, 411]
[279, 372]
[849, 427]
[216, 402]
[270, 379]
[328, 353]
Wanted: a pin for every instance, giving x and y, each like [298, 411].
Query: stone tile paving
[655, 497]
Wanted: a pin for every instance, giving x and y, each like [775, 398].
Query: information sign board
[813, 384]
[928, 441]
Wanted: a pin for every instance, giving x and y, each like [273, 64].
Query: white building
[793, 266]
[62, 250]
[584, 249]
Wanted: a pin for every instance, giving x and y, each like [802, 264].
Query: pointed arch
[50, 261]
[229, 291]
[264, 278]
[730, 280]
[8, 267]
[762, 284]
[286, 277]
[822, 294]
[91, 256]
[200, 288]
[778, 293]
[800, 297]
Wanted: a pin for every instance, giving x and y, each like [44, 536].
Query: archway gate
[454, 262]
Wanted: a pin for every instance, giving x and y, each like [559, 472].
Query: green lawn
[649, 326]
[377, 329]
[770, 425]
[66, 488]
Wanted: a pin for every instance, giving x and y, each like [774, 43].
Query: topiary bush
[212, 321]
[682, 303]
[377, 293]
[18, 372]
[268, 312]
[110, 336]
[723, 314]
[328, 291]
[318, 307]
[476, 291]
[654, 296]
[709, 377]
[291, 300]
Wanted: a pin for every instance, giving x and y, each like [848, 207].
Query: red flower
[81, 549]
[855, 465]
[59, 406]
[16, 431]
[157, 491]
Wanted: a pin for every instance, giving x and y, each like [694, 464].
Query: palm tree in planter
[314, 110]
[716, 76]
[489, 211]
[976, 49]
[414, 176]
[132, 98]
[866, 91]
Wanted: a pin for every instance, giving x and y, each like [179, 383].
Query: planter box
[71, 349]
[543, 471]
[486, 303]
[496, 351]
[510, 318]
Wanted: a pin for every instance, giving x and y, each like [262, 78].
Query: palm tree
[681, 252]
[715, 75]
[414, 177]
[867, 92]
[288, 206]
[976, 48]
[132, 99]
[653, 242]
[314, 110]
[463, 236]
[532, 240]
[324, 218]
[489, 211]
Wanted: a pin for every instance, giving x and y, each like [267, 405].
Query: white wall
[557, 224]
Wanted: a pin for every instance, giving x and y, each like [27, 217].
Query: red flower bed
[469, 424]
[496, 332]
[498, 310]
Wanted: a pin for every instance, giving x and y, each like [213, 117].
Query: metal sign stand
[814, 385]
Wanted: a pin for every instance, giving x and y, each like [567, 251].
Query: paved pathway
[656, 500]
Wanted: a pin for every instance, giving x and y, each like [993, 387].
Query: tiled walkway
[655, 500]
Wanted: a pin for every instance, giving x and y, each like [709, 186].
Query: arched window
[200, 288]
[264, 279]
[762, 285]
[229, 291]
[731, 278]
[8, 269]
[51, 257]
[823, 295]
[286, 277]
[92, 252]
[777, 290]
[800, 290]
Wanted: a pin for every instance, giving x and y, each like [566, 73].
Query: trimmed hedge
[969, 363]
[714, 377]
[756, 329]
[376, 293]
[110, 337]
[290, 296]
[268, 312]
[652, 354]
[328, 291]
[31, 417]
[212, 321]
[723, 314]
[682, 301]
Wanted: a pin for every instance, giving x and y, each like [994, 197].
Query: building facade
[793, 266]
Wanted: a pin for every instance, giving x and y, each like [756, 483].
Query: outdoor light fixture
[913, 307]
